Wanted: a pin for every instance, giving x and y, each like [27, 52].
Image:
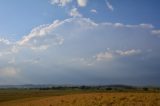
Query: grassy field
[78, 98]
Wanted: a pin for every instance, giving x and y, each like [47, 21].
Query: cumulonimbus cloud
[77, 43]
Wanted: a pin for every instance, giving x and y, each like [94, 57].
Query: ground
[79, 98]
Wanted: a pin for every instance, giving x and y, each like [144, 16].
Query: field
[78, 98]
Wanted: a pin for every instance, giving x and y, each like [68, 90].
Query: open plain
[77, 98]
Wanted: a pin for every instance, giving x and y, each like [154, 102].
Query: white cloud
[93, 10]
[104, 56]
[156, 32]
[86, 23]
[60, 2]
[32, 61]
[147, 26]
[128, 52]
[121, 25]
[5, 46]
[42, 47]
[110, 54]
[41, 37]
[110, 7]
[9, 72]
[83, 61]
[74, 13]
[5, 41]
[82, 3]
[40, 31]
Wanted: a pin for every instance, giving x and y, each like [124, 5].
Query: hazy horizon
[93, 42]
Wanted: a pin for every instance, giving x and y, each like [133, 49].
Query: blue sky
[80, 42]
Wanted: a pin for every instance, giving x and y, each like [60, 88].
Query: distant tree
[44, 88]
[108, 88]
[84, 87]
[145, 89]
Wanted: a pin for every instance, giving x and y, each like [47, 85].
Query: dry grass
[92, 99]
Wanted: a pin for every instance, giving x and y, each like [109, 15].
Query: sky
[80, 42]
